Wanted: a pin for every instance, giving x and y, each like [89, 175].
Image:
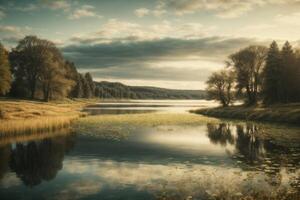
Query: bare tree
[220, 85]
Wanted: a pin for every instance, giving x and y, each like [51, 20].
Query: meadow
[35, 116]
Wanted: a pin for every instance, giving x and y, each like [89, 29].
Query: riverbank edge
[281, 113]
[36, 116]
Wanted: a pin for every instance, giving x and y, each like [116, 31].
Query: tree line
[36, 69]
[117, 90]
[258, 73]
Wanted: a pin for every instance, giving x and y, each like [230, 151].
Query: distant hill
[106, 89]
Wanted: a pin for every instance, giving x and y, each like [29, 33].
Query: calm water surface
[207, 161]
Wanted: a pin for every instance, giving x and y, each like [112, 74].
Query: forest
[258, 74]
[106, 89]
[36, 69]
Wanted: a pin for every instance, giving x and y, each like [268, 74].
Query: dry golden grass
[19, 138]
[23, 115]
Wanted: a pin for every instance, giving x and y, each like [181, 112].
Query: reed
[35, 125]
[21, 116]
[19, 138]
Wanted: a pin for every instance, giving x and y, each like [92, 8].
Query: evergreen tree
[87, 92]
[90, 84]
[288, 61]
[5, 73]
[296, 83]
[72, 75]
[78, 89]
[271, 75]
[97, 92]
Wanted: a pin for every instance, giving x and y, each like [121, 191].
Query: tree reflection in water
[4, 159]
[220, 134]
[36, 161]
[249, 146]
[254, 152]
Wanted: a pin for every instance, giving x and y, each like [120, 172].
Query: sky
[165, 43]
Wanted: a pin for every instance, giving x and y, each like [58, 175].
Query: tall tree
[296, 76]
[27, 61]
[88, 86]
[87, 92]
[220, 85]
[272, 76]
[72, 75]
[288, 61]
[77, 91]
[248, 64]
[52, 78]
[90, 82]
[5, 73]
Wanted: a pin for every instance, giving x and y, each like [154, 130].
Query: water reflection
[35, 161]
[210, 161]
[256, 153]
[220, 134]
[147, 106]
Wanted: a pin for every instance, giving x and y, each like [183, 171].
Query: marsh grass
[19, 138]
[35, 125]
[17, 116]
[118, 126]
[282, 113]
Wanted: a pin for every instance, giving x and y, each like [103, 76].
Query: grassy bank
[280, 113]
[32, 116]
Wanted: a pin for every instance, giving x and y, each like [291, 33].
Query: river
[207, 160]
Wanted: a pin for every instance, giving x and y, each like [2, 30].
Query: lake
[153, 149]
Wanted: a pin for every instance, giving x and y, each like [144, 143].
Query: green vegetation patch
[117, 126]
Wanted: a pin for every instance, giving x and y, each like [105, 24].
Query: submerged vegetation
[118, 126]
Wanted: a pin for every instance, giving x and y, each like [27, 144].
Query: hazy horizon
[172, 44]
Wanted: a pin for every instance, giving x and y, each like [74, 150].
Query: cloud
[2, 14]
[207, 47]
[141, 12]
[58, 5]
[12, 34]
[291, 19]
[166, 59]
[222, 8]
[123, 31]
[27, 8]
[84, 11]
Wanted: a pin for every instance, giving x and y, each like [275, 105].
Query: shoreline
[35, 116]
[280, 113]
